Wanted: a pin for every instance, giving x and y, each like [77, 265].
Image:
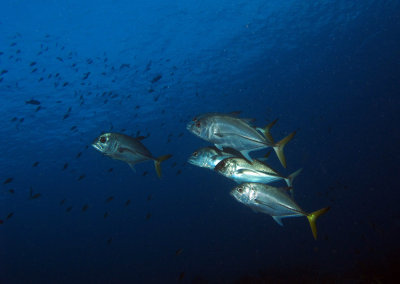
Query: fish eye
[197, 123]
[103, 139]
[240, 189]
[195, 154]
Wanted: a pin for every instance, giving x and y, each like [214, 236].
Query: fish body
[208, 157]
[241, 170]
[32, 102]
[128, 149]
[267, 199]
[274, 202]
[225, 130]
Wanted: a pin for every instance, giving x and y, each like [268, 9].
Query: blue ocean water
[71, 70]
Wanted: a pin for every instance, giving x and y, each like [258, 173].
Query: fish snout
[192, 160]
[193, 127]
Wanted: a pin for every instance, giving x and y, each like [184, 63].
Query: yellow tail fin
[157, 163]
[267, 130]
[278, 147]
[312, 218]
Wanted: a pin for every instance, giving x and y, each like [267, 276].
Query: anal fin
[278, 220]
[132, 166]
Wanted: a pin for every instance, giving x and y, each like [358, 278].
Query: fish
[9, 215]
[8, 180]
[35, 164]
[156, 78]
[35, 196]
[86, 75]
[128, 149]
[81, 177]
[241, 170]
[110, 198]
[274, 202]
[208, 157]
[68, 209]
[65, 166]
[228, 130]
[179, 251]
[33, 102]
[62, 202]
[105, 215]
[1, 222]
[12, 191]
[148, 216]
[85, 207]
[127, 202]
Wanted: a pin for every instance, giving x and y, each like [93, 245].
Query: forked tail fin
[290, 178]
[266, 131]
[312, 218]
[278, 147]
[157, 163]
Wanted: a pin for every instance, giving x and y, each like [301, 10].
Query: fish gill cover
[73, 70]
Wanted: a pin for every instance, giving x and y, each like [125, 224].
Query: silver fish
[241, 170]
[128, 149]
[208, 157]
[224, 130]
[274, 202]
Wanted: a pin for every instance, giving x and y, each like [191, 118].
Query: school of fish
[234, 138]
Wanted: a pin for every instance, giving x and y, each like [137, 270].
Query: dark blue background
[329, 69]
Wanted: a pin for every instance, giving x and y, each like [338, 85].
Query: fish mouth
[97, 147]
[189, 126]
[234, 194]
[193, 161]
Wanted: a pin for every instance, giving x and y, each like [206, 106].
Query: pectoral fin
[246, 172]
[261, 203]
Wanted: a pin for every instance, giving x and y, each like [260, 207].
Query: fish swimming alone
[208, 157]
[128, 149]
[241, 170]
[274, 202]
[227, 130]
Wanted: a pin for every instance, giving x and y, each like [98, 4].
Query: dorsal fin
[235, 113]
